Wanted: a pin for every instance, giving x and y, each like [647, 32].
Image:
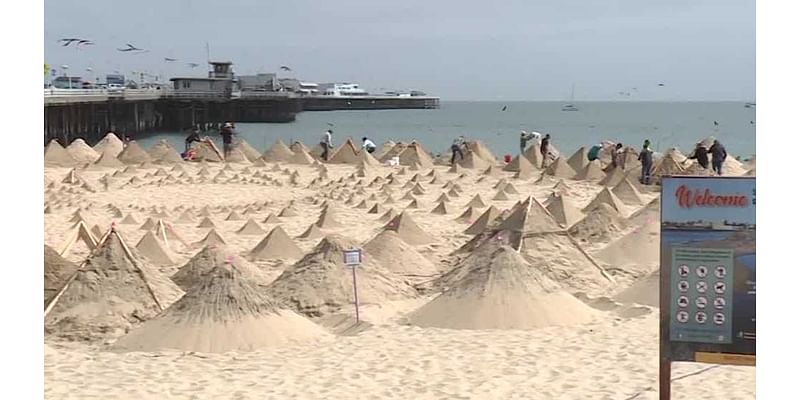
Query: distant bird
[193, 65]
[752, 123]
[504, 108]
[716, 123]
[285, 68]
[68, 41]
[167, 59]
[131, 48]
[660, 84]
[330, 124]
[85, 42]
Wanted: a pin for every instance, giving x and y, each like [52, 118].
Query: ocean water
[665, 124]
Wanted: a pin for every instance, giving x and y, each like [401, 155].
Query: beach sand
[614, 356]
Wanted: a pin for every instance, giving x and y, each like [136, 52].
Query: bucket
[507, 158]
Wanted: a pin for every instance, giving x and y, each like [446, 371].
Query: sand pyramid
[518, 163]
[326, 220]
[408, 230]
[57, 156]
[484, 221]
[72, 178]
[298, 146]
[591, 172]
[501, 290]
[207, 151]
[416, 157]
[248, 150]
[223, 312]
[234, 216]
[211, 239]
[278, 152]
[167, 235]
[186, 217]
[276, 245]
[440, 209]
[79, 232]
[57, 271]
[644, 291]
[531, 217]
[110, 144]
[606, 197]
[134, 154]
[476, 202]
[640, 247]
[579, 159]
[112, 291]
[107, 159]
[500, 196]
[313, 232]
[388, 215]
[667, 166]
[148, 224]
[564, 211]
[150, 247]
[399, 257]
[209, 257]
[206, 223]
[559, 168]
[376, 209]
[250, 227]
[481, 150]
[473, 161]
[627, 192]
[347, 153]
[613, 177]
[469, 215]
[129, 220]
[236, 156]
[320, 284]
[301, 157]
[81, 152]
[271, 219]
[163, 152]
[601, 224]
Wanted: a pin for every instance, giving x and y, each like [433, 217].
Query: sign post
[352, 259]
[708, 273]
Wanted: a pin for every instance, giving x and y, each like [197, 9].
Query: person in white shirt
[327, 143]
[368, 144]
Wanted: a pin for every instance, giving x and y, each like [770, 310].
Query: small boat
[749, 105]
[570, 106]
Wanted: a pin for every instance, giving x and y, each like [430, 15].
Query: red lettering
[688, 198]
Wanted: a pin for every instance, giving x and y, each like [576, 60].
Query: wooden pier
[90, 114]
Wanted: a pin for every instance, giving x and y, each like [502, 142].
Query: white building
[343, 89]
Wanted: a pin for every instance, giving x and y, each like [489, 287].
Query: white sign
[352, 257]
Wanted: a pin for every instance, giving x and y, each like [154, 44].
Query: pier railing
[66, 96]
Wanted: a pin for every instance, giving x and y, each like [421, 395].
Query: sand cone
[313, 232]
[211, 239]
[57, 270]
[110, 144]
[591, 172]
[502, 291]
[209, 257]
[399, 257]
[476, 202]
[559, 168]
[163, 152]
[440, 209]
[534, 156]
[250, 228]
[473, 161]
[223, 312]
[276, 245]
[206, 222]
[57, 156]
[579, 159]
[320, 284]
[566, 213]
[500, 196]
[271, 219]
[150, 247]
[408, 230]
[81, 152]
[519, 164]
[234, 216]
[606, 197]
[469, 215]
[601, 224]
[627, 192]
[114, 287]
[388, 215]
[133, 154]
[129, 220]
[78, 232]
[287, 212]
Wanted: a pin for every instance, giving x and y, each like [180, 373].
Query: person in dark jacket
[700, 154]
[544, 148]
[227, 138]
[455, 148]
[718, 156]
[646, 158]
[193, 137]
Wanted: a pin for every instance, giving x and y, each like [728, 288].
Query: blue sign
[708, 269]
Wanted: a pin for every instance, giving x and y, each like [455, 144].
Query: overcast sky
[456, 49]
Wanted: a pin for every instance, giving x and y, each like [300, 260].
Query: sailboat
[570, 106]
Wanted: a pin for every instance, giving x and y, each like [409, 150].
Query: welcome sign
[708, 272]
